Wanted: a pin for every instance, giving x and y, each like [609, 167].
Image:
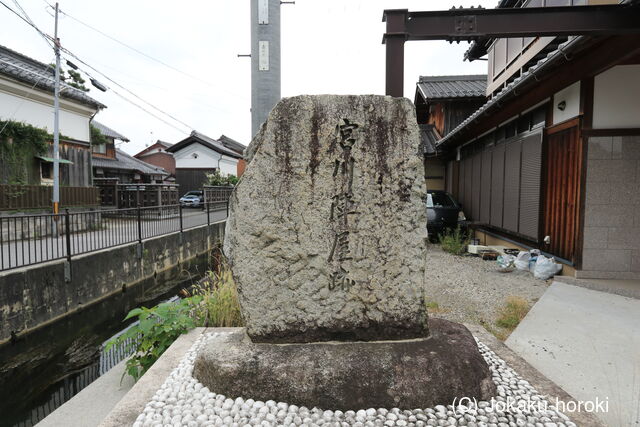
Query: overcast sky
[328, 46]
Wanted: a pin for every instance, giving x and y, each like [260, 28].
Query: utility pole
[265, 60]
[56, 120]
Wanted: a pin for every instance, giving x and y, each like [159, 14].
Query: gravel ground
[183, 401]
[468, 289]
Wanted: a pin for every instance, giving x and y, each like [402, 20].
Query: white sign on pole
[263, 12]
[263, 55]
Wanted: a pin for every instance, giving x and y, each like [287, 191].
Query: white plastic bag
[522, 260]
[505, 262]
[545, 268]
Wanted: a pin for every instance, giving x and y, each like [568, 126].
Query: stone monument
[326, 238]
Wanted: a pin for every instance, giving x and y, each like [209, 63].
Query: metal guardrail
[33, 239]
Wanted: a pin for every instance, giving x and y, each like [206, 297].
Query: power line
[147, 55]
[137, 105]
[68, 52]
[29, 22]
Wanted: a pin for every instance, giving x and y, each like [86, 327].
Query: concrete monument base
[407, 374]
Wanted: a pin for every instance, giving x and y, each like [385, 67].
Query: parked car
[443, 212]
[192, 199]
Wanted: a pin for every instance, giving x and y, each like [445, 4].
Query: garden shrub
[454, 241]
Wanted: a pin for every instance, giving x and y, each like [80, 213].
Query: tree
[74, 78]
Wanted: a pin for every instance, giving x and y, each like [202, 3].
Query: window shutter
[511, 186]
[497, 184]
[475, 185]
[461, 173]
[485, 187]
[530, 185]
[468, 188]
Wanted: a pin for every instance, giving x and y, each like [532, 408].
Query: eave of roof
[27, 70]
[232, 144]
[452, 87]
[108, 132]
[124, 161]
[428, 138]
[211, 143]
[530, 76]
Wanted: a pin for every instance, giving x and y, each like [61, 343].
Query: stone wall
[36, 295]
[612, 209]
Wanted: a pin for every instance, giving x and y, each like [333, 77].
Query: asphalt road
[108, 232]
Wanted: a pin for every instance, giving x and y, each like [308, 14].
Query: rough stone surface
[407, 374]
[184, 401]
[327, 227]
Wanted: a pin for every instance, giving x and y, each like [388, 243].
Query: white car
[193, 199]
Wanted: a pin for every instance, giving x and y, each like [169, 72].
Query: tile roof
[108, 132]
[232, 144]
[124, 161]
[211, 143]
[428, 138]
[443, 87]
[529, 76]
[40, 75]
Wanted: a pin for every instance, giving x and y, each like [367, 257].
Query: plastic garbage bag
[546, 268]
[522, 260]
[506, 262]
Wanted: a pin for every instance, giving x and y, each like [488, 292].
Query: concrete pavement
[588, 342]
[92, 405]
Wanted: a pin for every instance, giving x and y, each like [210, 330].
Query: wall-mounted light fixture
[562, 105]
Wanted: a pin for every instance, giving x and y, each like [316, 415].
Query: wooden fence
[131, 195]
[15, 197]
[217, 193]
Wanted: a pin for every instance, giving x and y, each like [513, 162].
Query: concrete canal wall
[34, 296]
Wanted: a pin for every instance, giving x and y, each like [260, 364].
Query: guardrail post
[208, 218]
[181, 225]
[228, 206]
[139, 231]
[67, 264]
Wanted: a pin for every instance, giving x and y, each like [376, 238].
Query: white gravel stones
[183, 401]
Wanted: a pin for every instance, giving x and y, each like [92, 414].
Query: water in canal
[42, 370]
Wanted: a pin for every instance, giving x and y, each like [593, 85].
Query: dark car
[443, 212]
[192, 199]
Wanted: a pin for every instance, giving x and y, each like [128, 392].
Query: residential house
[442, 103]
[157, 155]
[26, 95]
[234, 145]
[552, 159]
[109, 162]
[198, 155]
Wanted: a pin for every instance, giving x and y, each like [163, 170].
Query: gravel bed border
[183, 401]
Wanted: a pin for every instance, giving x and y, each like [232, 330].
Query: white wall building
[198, 155]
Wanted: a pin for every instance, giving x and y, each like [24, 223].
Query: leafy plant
[97, 138]
[74, 78]
[157, 329]
[513, 311]
[214, 303]
[454, 241]
[216, 179]
[19, 142]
